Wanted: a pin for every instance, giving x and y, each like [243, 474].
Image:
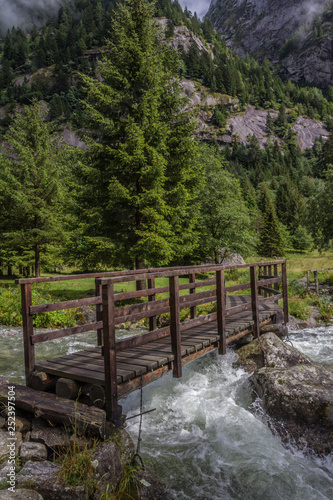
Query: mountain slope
[297, 34]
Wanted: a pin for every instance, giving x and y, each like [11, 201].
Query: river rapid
[206, 439]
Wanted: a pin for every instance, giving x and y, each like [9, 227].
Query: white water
[208, 441]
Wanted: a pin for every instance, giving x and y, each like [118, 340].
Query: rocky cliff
[295, 34]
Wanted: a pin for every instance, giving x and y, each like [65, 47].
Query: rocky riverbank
[42, 460]
[296, 393]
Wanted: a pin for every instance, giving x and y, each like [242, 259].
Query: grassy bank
[300, 301]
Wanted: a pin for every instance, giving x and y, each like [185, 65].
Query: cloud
[199, 6]
[26, 12]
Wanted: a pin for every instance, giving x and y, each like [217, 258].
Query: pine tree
[139, 176]
[31, 189]
[270, 238]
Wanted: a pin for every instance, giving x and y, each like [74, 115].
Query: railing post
[28, 331]
[152, 319]
[285, 293]
[175, 325]
[265, 275]
[221, 320]
[99, 314]
[254, 300]
[113, 410]
[276, 285]
[308, 280]
[193, 309]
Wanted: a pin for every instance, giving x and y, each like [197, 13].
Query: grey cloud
[198, 6]
[25, 12]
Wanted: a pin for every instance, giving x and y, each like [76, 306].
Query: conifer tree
[270, 238]
[31, 190]
[138, 174]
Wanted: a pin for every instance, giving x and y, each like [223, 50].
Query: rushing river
[206, 439]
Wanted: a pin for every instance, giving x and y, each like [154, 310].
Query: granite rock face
[296, 392]
[262, 28]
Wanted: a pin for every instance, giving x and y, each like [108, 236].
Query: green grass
[297, 265]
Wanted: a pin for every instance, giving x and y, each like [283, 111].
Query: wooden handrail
[108, 315]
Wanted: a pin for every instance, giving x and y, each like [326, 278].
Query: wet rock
[44, 477]
[33, 451]
[55, 438]
[108, 468]
[150, 486]
[20, 494]
[296, 392]
[126, 448]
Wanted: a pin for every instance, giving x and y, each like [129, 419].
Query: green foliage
[32, 180]
[10, 310]
[139, 176]
[270, 240]
[224, 220]
[299, 308]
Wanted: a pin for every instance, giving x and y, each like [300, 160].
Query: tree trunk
[140, 264]
[37, 261]
[10, 270]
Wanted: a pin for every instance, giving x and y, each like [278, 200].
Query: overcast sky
[198, 6]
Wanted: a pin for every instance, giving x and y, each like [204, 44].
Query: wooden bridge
[114, 368]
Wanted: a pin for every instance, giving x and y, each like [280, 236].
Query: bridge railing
[158, 300]
[264, 279]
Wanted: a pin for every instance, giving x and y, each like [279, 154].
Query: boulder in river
[296, 392]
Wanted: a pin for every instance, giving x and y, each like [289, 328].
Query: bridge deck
[152, 360]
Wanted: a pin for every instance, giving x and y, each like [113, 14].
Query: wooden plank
[269, 290]
[175, 326]
[58, 410]
[237, 309]
[143, 339]
[68, 304]
[198, 321]
[71, 372]
[65, 332]
[28, 331]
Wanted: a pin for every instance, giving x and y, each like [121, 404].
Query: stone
[126, 447]
[150, 485]
[296, 392]
[5, 440]
[22, 425]
[108, 468]
[5, 468]
[33, 451]
[2, 422]
[20, 494]
[44, 477]
[55, 438]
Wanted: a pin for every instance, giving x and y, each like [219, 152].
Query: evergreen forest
[141, 187]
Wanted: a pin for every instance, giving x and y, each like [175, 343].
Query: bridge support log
[175, 326]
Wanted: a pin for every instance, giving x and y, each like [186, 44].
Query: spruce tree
[139, 178]
[31, 177]
[270, 238]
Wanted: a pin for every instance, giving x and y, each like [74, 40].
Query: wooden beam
[285, 293]
[28, 331]
[221, 317]
[254, 301]
[113, 409]
[175, 326]
[152, 319]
